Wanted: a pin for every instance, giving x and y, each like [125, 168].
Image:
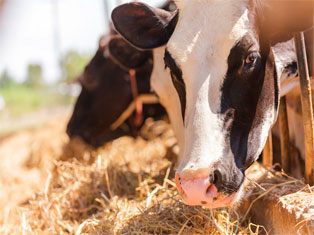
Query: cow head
[106, 90]
[222, 68]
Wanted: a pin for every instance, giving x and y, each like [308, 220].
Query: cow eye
[250, 60]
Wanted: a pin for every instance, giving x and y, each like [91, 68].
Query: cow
[101, 110]
[107, 92]
[224, 84]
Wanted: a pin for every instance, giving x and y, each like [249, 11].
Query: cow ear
[280, 19]
[143, 26]
[126, 55]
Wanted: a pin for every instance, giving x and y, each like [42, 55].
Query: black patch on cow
[276, 87]
[240, 92]
[177, 80]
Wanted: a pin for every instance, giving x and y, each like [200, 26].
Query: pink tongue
[198, 191]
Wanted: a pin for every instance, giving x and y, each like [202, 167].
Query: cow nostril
[217, 179]
[211, 178]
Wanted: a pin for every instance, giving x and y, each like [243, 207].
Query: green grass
[21, 99]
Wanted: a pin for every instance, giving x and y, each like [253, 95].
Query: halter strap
[138, 100]
[138, 103]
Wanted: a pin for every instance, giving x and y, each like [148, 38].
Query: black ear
[280, 19]
[126, 55]
[112, 30]
[143, 26]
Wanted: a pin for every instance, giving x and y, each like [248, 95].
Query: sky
[41, 31]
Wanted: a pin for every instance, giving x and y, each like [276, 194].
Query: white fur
[161, 83]
[201, 43]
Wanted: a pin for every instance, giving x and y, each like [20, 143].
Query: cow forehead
[206, 27]
[205, 33]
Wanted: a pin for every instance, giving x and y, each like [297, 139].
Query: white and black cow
[223, 92]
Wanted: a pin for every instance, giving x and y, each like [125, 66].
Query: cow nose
[202, 191]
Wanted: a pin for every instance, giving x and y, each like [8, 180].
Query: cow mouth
[213, 198]
[221, 201]
[217, 202]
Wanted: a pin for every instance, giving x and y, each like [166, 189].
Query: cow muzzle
[204, 191]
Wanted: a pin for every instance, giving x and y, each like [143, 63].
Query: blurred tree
[5, 79]
[73, 65]
[34, 76]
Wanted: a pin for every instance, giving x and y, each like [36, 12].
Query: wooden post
[307, 108]
[284, 135]
[268, 151]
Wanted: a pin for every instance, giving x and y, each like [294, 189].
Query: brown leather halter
[138, 103]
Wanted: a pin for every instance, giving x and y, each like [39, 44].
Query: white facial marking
[161, 83]
[205, 33]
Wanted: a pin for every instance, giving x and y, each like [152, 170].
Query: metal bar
[307, 108]
[284, 135]
[268, 151]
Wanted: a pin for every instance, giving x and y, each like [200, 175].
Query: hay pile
[26, 157]
[126, 187]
